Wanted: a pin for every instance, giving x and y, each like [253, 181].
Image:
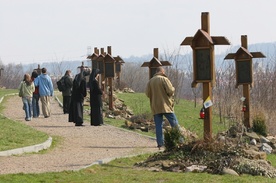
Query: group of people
[159, 90]
[40, 87]
[79, 92]
[34, 88]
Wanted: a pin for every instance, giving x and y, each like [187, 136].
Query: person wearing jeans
[28, 107]
[161, 94]
[158, 120]
[36, 110]
[46, 91]
[26, 89]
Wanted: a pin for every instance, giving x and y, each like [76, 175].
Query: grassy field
[187, 114]
[15, 134]
[123, 170]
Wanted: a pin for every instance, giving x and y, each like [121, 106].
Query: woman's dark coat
[77, 98]
[95, 99]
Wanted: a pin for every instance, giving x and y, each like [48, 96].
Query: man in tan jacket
[161, 92]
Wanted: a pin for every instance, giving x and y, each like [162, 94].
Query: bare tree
[12, 75]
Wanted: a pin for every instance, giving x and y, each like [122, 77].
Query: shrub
[172, 138]
[259, 125]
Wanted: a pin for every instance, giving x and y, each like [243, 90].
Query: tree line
[226, 97]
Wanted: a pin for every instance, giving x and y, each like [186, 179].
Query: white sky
[36, 31]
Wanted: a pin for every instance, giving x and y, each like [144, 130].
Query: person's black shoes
[79, 125]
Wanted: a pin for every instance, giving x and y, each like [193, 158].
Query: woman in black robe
[96, 103]
[77, 99]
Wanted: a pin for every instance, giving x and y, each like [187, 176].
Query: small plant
[172, 138]
[259, 125]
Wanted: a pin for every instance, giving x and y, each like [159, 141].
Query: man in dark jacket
[66, 94]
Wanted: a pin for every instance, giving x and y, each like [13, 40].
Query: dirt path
[81, 146]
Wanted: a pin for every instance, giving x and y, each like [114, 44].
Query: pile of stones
[235, 152]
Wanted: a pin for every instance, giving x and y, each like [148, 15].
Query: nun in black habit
[96, 103]
[77, 98]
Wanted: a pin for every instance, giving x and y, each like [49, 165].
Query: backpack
[61, 84]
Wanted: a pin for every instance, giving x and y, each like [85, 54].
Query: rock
[154, 169]
[128, 123]
[253, 142]
[252, 135]
[196, 168]
[266, 148]
[264, 140]
[117, 112]
[221, 138]
[229, 171]
[144, 129]
[166, 164]
[255, 155]
[110, 116]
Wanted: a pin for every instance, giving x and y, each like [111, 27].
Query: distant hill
[59, 68]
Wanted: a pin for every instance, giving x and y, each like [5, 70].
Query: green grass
[187, 114]
[14, 134]
[123, 170]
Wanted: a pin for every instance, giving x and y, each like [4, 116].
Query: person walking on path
[26, 88]
[77, 98]
[96, 104]
[66, 94]
[35, 102]
[46, 91]
[161, 94]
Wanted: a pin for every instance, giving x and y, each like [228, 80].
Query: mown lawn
[123, 169]
[14, 134]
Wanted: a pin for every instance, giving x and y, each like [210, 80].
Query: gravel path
[80, 147]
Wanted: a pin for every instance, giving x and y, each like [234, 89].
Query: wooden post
[204, 65]
[118, 67]
[102, 79]
[246, 103]
[110, 84]
[207, 90]
[246, 92]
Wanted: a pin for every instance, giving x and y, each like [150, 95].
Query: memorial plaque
[244, 72]
[152, 71]
[118, 67]
[94, 64]
[109, 70]
[101, 67]
[203, 64]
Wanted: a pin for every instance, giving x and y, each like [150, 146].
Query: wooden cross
[154, 63]
[109, 71]
[243, 63]
[203, 64]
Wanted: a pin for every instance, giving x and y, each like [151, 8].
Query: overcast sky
[36, 31]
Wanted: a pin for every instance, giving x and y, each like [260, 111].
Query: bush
[172, 138]
[259, 125]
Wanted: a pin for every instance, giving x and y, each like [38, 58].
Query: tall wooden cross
[203, 64]
[243, 62]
